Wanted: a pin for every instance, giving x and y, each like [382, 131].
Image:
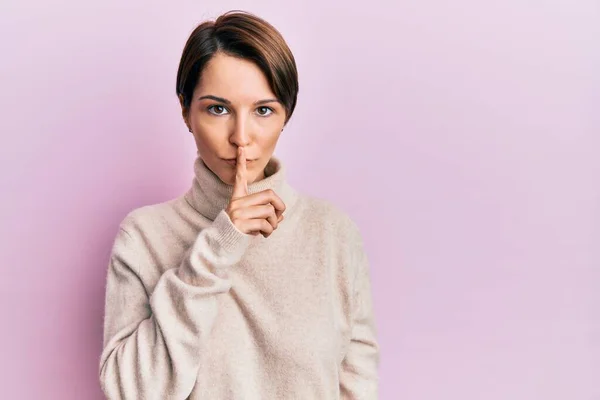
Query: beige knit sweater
[196, 309]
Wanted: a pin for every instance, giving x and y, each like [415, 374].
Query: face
[233, 106]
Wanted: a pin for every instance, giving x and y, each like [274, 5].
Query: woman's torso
[283, 327]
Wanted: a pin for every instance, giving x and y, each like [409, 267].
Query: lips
[234, 161]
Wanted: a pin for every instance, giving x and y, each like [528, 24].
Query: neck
[209, 194]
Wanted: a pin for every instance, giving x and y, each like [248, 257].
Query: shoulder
[335, 228]
[152, 217]
[328, 215]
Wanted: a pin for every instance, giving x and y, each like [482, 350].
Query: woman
[242, 288]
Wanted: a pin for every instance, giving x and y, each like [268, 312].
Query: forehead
[233, 78]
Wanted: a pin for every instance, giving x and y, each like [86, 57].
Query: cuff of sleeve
[217, 247]
[229, 239]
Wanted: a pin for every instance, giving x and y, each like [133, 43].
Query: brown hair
[240, 34]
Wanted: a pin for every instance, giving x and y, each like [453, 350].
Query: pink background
[461, 136]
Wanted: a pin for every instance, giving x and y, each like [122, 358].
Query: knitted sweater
[196, 309]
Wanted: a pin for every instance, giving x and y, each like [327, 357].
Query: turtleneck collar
[209, 194]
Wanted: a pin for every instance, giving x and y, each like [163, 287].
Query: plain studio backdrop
[461, 136]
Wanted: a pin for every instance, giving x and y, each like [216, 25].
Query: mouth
[233, 161]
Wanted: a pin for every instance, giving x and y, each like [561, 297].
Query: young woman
[241, 288]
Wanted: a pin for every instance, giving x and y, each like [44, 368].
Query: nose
[240, 136]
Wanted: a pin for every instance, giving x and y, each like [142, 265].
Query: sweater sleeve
[359, 370]
[152, 346]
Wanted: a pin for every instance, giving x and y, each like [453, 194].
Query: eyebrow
[222, 100]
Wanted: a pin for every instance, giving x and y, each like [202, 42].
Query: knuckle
[267, 226]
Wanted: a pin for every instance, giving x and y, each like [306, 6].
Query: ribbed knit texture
[196, 309]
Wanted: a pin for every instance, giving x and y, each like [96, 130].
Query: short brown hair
[245, 35]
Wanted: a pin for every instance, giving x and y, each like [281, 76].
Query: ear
[184, 112]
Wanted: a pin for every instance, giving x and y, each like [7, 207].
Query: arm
[153, 342]
[359, 373]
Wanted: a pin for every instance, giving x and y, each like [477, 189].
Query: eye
[264, 111]
[217, 110]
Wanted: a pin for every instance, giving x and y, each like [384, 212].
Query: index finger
[240, 186]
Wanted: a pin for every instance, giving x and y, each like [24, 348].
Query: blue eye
[217, 110]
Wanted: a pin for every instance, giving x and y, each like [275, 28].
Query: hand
[253, 213]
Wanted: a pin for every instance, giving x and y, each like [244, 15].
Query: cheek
[209, 124]
[206, 140]
[210, 130]
[266, 138]
[270, 127]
